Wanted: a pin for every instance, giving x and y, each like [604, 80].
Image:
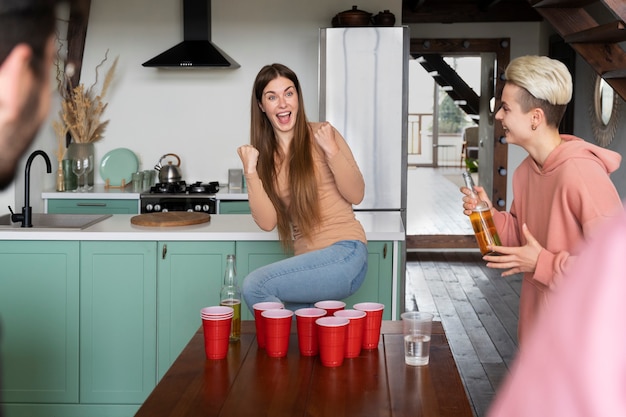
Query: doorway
[492, 162]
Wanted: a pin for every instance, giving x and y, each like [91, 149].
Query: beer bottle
[482, 221]
[230, 296]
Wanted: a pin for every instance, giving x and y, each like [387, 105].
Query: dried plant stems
[82, 109]
[60, 131]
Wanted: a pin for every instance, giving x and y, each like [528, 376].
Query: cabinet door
[92, 206]
[253, 255]
[378, 284]
[39, 321]
[190, 277]
[376, 287]
[117, 322]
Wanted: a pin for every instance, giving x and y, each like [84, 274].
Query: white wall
[203, 115]
[200, 115]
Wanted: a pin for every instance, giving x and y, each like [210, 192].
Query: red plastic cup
[307, 330]
[277, 323]
[330, 306]
[373, 321]
[354, 337]
[332, 339]
[258, 322]
[216, 337]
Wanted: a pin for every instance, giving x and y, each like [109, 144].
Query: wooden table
[250, 383]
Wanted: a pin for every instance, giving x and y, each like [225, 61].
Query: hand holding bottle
[471, 199]
[516, 259]
[480, 216]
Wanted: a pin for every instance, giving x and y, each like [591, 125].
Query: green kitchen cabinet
[379, 279]
[118, 321]
[253, 255]
[92, 206]
[39, 327]
[376, 287]
[190, 277]
[234, 207]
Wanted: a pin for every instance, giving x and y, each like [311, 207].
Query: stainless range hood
[196, 50]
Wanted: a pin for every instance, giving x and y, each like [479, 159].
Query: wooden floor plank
[475, 308]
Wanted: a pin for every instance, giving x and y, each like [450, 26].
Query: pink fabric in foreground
[573, 363]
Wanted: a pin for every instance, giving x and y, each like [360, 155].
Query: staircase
[447, 78]
[596, 42]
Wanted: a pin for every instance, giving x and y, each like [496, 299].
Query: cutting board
[170, 218]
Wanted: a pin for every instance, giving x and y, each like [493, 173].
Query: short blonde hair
[544, 78]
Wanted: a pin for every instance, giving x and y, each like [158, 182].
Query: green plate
[117, 165]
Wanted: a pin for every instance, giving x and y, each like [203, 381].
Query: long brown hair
[304, 209]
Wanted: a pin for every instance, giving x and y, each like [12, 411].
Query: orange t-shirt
[340, 185]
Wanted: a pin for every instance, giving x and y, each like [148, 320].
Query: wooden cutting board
[170, 218]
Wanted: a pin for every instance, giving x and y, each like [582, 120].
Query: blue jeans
[332, 273]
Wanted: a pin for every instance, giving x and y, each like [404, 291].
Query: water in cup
[416, 349]
[235, 332]
[417, 332]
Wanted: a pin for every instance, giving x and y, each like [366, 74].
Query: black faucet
[27, 211]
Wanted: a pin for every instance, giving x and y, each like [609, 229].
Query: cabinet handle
[385, 251]
[91, 204]
[164, 252]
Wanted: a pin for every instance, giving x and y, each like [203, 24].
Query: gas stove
[180, 196]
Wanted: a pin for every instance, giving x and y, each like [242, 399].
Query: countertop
[381, 226]
[99, 192]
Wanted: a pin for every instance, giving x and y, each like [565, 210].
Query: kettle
[169, 172]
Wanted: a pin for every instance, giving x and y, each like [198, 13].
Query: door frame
[497, 181]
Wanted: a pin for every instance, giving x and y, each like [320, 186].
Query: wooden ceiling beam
[471, 11]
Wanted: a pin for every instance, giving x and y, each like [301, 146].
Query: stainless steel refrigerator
[364, 94]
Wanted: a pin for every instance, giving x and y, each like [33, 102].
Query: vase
[82, 150]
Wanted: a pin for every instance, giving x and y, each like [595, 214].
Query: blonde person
[561, 191]
[303, 180]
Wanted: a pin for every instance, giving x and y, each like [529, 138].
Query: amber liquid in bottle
[482, 221]
[230, 296]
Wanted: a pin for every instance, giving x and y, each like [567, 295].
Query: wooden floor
[478, 308]
[434, 203]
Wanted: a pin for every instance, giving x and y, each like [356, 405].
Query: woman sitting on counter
[302, 178]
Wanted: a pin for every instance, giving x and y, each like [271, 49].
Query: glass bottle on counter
[60, 186]
[482, 221]
[230, 296]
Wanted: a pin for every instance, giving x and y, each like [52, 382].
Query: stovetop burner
[169, 187]
[180, 187]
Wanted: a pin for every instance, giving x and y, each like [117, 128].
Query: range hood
[196, 50]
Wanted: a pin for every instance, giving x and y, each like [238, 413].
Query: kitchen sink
[55, 221]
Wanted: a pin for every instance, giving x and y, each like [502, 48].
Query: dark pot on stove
[169, 172]
[210, 188]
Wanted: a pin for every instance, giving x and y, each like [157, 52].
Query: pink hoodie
[562, 203]
[573, 362]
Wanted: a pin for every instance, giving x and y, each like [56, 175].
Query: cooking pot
[353, 17]
[169, 172]
[384, 18]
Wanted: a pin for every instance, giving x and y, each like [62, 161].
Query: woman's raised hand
[249, 156]
[325, 138]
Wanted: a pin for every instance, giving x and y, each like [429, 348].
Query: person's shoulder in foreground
[573, 363]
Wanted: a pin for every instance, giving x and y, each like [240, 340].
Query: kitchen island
[93, 318]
